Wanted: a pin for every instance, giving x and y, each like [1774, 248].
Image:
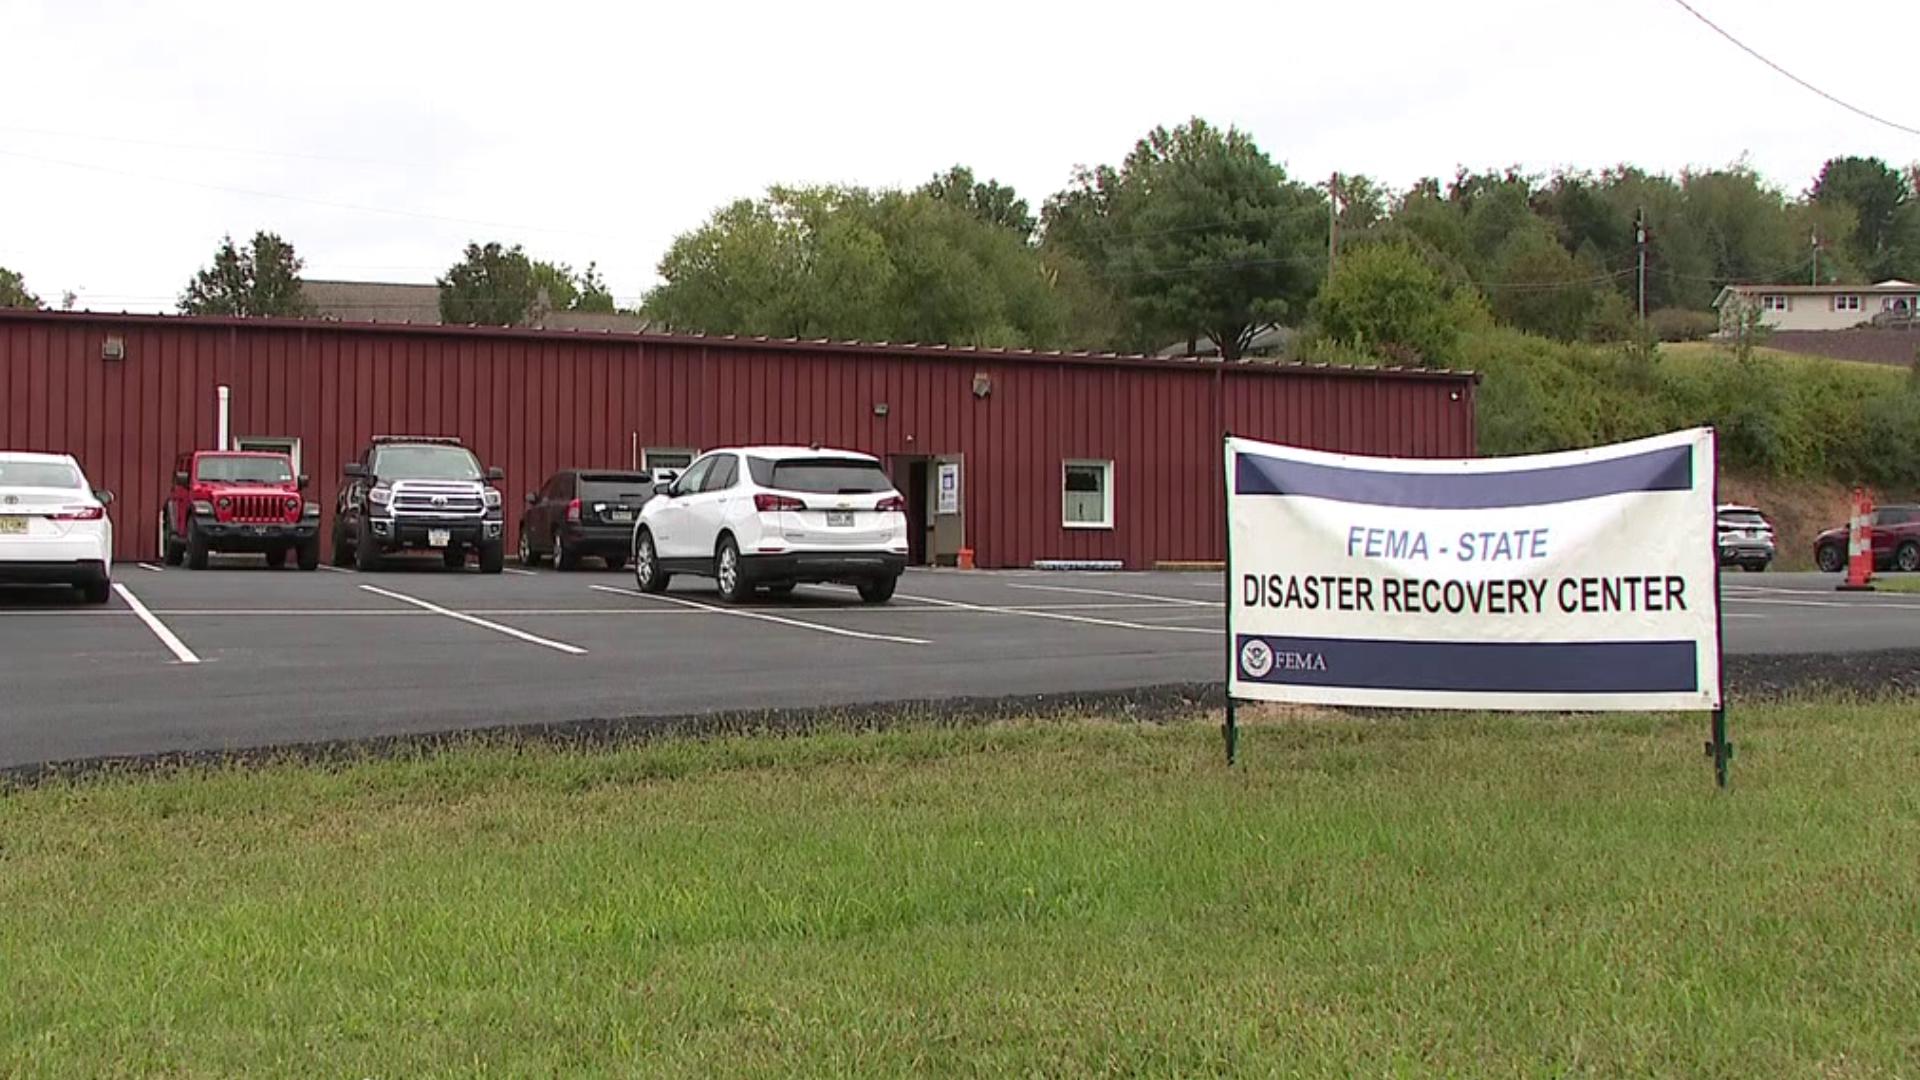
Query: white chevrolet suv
[53, 525]
[772, 517]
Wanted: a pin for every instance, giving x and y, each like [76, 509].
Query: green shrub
[1811, 419]
[1682, 324]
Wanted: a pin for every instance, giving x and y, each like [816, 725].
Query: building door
[918, 512]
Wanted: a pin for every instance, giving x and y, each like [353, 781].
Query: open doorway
[936, 519]
[910, 475]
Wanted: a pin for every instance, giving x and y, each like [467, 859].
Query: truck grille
[437, 498]
[259, 508]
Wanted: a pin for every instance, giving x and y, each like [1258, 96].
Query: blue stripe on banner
[1494, 667]
[1666, 469]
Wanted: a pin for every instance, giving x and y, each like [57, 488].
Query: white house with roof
[1820, 307]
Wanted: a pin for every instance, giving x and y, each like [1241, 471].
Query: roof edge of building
[878, 348]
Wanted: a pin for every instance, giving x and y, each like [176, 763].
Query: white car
[773, 517]
[54, 526]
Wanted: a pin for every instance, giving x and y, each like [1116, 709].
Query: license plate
[13, 525]
[438, 538]
[623, 514]
[840, 519]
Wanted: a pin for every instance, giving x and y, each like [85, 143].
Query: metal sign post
[1230, 731]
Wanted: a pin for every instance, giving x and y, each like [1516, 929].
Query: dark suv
[1896, 541]
[415, 493]
[583, 513]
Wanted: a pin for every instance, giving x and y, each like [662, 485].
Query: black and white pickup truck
[419, 493]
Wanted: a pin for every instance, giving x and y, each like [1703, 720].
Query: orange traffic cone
[1860, 545]
[966, 558]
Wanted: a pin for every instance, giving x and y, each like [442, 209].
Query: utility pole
[1815, 238]
[1640, 242]
[1333, 223]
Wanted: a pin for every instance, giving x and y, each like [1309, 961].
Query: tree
[1542, 289]
[261, 279]
[856, 264]
[568, 291]
[490, 286]
[1386, 299]
[990, 201]
[13, 291]
[1879, 196]
[1201, 234]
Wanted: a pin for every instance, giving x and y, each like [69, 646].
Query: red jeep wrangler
[230, 501]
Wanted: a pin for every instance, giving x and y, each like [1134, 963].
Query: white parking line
[150, 567]
[166, 636]
[1120, 595]
[522, 573]
[498, 628]
[335, 569]
[1063, 617]
[764, 617]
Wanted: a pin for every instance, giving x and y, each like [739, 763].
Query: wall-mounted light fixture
[113, 348]
[879, 408]
[982, 385]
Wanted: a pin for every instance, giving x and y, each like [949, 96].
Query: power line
[1743, 47]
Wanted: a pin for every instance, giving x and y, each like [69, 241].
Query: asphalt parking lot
[241, 657]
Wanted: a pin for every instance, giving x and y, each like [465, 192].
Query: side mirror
[181, 479]
[532, 497]
[496, 474]
[355, 470]
[105, 496]
[302, 482]
[664, 487]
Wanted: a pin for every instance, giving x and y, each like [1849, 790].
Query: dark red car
[1896, 541]
[233, 501]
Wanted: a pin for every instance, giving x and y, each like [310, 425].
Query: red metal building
[1138, 440]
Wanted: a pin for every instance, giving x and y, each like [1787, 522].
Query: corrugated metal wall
[533, 403]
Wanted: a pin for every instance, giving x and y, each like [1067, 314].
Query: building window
[1773, 303]
[665, 462]
[1088, 494]
[1901, 304]
[1846, 303]
[261, 444]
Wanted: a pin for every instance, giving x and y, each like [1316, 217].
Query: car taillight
[768, 504]
[79, 513]
[573, 510]
[892, 504]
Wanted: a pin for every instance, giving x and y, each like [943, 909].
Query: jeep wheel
[564, 559]
[728, 574]
[1830, 558]
[196, 549]
[276, 558]
[647, 575]
[170, 550]
[366, 553]
[493, 557]
[309, 554]
[878, 590]
[454, 557]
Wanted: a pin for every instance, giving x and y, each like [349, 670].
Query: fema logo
[1256, 659]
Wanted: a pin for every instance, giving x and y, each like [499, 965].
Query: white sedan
[53, 526]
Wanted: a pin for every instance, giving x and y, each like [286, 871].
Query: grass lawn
[1482, 895]
[1708, 352]
[1893, 583]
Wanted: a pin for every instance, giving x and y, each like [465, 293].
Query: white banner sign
[1580, 580]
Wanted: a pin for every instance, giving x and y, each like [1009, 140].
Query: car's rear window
[615, 487]
[1742, 517]
[46, 474]
[821, 476]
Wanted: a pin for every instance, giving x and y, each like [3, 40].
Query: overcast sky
[381, 137]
